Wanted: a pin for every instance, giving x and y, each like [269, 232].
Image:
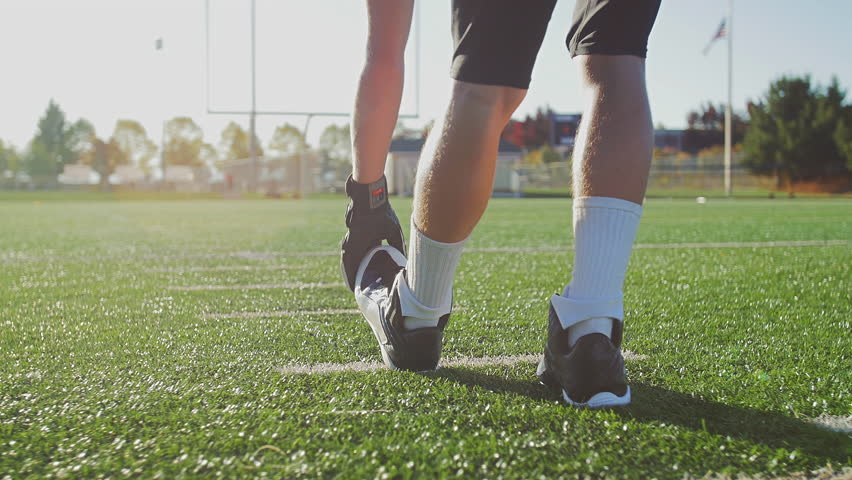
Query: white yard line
[18, 257]
[520, 249]
[793, 243]
[284, 313]
[321, 368]
[294, 313]
[566, 248]
[223, 268]
[825, 473]
[836, 423]
[260, 286]
[790, 243]
[784, 243]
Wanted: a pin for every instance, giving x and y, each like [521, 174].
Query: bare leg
[614, 146]
[611, 161]
[380, 88]
[370, 220]
[456, 172]
[454, 182]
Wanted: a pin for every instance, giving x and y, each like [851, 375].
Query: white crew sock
[604, 230]
[430, 271]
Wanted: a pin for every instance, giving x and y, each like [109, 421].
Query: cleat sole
[600, 400]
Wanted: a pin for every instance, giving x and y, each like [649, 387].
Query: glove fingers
[395, 238]
[353, 250]
[366, 232]
[346, 263]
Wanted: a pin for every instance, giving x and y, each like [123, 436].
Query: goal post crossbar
[294, 114]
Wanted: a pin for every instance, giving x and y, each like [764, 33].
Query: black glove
[370, 220]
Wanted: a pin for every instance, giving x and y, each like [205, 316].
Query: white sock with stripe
[604, 231]
[430, 271]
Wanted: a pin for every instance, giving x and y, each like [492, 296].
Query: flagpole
[728, 113]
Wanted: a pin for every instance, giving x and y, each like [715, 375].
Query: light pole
[158, 46]
[729, 187]
[253, 112]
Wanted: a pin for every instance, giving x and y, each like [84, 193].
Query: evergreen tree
[797, 131]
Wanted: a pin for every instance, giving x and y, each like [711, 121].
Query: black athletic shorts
[496, 41]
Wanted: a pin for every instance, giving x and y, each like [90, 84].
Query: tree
[57, 143]
[209, 155]
[531, 133]
[235, 143]
[335, 148]
[543, 154]
[52, 138]
[706, 127]
[287, 141]
[4, 157]
[183, 143]
[843, 135]
[549, 155]
[81, 136]
[41, 164]
[797, 131]
[10, 162]
[335, 145]
[101, 155]
[131, 138]
[105, 156]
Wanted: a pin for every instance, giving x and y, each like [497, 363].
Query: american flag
[721, 32]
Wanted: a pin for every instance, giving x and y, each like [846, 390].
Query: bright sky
[97, 59]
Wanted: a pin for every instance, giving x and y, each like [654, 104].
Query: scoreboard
[564, 128]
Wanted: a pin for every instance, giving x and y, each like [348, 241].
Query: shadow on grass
[657, 405]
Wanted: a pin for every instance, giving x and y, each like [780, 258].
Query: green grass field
[177, 339]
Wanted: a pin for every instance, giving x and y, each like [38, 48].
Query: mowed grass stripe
[837, 423]
[223, 268]
[260, 286]
[468, 362]
[17, 257]
[293, 313]
[284, 313]
[769, 244]
[790, 243]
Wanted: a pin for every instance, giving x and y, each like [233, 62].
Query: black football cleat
[378, 283]
[590, 374]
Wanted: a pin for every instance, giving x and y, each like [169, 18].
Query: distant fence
[668, 176]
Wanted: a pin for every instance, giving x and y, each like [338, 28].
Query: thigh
[497, 41]
[612, 27]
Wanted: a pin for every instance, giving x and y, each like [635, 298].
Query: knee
[611, 70]
[497, 102]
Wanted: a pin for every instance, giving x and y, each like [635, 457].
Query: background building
[401, 167]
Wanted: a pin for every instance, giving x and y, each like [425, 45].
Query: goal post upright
[253, 112]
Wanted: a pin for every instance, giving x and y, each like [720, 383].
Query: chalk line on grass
[294, 313]
[471, 362]
[223, 268]
[785, 243]
[22, 257]
[354, 412]
[284, 313]
[259, 286]
[567, 248]
[837, 423]
[825, 473]
[768, 244]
